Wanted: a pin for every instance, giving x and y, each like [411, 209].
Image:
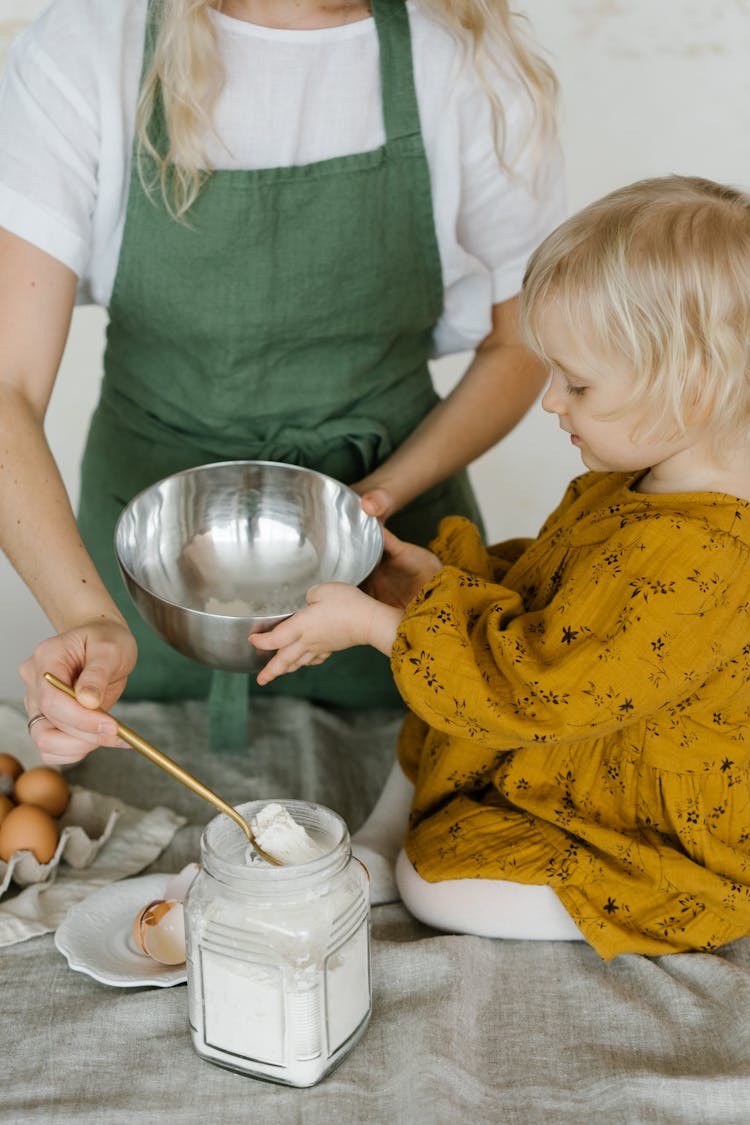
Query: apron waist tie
[344, 448]
[228, 713]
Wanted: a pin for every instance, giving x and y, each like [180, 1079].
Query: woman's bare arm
[38, 531]
[497, 389]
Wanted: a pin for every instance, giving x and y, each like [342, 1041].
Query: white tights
[485, 907]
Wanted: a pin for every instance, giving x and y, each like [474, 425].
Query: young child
[576, 752]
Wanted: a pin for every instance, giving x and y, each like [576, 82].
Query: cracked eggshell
[159, 931]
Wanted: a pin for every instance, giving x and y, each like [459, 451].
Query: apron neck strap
[153, 19]
[400, 107]
[157, 129]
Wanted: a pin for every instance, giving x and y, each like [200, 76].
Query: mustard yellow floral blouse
[580, 714]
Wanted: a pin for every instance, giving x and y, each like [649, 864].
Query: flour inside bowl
[282, 600]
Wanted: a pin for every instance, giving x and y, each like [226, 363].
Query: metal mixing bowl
[212, 554]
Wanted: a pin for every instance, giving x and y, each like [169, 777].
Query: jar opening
[227, 853]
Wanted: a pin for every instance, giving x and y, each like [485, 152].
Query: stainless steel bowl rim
[198, 613]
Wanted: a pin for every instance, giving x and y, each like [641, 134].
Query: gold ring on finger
[33, 720]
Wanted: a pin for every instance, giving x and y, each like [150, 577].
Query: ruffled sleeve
[459, 544]
[631, 627]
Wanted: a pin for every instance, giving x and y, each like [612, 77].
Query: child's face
[583, 389]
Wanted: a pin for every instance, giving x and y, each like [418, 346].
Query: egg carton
[85, 827]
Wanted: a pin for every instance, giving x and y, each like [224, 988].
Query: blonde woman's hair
[657, 273]
[186, 73]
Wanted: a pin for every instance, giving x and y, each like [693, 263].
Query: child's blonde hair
[186, 72]
[658, 273]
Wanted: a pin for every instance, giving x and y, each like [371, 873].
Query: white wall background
[649, 87]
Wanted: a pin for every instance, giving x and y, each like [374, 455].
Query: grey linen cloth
[464, 1029]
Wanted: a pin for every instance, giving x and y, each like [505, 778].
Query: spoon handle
[171, 767]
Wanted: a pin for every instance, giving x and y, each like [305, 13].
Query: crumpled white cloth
[117, 840]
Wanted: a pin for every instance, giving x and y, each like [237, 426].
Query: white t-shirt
[67, 119]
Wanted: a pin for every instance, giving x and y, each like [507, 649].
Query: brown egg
[27, 828]
[10, 768]
[5, 806]
[43, 787]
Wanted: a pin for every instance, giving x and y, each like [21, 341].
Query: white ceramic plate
[96, 936]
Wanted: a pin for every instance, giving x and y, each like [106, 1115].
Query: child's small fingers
[263, 641]
[277, 637]
[269, 672]
[280, 664]
[308, 659]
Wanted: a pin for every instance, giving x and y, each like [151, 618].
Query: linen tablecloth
[463, 1028]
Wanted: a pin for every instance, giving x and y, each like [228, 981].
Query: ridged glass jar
[278, 958]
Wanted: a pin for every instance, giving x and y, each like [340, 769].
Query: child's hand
[337, 616]
[402, 572]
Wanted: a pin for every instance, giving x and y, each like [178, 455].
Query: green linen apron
[290, 318]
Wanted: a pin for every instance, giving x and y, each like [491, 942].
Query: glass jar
[278, 958]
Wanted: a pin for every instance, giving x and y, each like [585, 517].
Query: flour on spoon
[281, 837]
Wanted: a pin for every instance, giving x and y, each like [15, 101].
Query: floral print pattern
[580, 713]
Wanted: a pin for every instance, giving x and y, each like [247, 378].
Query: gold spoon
[171, 767]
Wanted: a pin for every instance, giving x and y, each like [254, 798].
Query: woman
[277, 204]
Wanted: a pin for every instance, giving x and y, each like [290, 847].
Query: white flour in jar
[284, 975]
